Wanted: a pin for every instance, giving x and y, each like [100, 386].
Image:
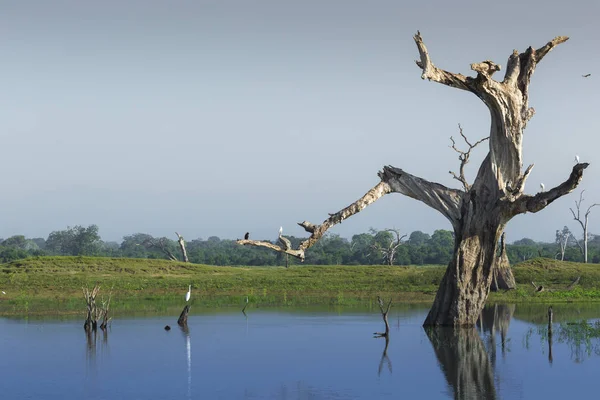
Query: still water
[301, 354]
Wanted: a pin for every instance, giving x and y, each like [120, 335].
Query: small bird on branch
[247, 236]
[577, 159]
[542, 187]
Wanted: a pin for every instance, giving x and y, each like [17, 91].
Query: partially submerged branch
[384, 314]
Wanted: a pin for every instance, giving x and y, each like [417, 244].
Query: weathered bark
[464, 362]
[497, 193]
[503, 278]
[480, 212]
[184, 255]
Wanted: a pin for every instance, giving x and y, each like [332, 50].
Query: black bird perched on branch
[247, 236]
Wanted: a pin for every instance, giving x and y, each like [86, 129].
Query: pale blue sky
[221, 117]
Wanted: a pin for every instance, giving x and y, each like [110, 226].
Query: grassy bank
[55, 283]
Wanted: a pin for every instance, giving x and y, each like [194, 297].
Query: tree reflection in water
[464, 362]
[384, 358]
[464, 359]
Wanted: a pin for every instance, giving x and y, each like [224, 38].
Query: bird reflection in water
[188, 346]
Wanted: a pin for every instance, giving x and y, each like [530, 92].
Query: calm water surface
[295, 354]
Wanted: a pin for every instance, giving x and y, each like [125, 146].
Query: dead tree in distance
[562, 239]
[583, 221]
[162, 245]
[480, 213]
[389, 252]
[184, 255]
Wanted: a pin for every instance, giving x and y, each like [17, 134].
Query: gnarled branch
[463, 157]
[317, 231]
[445, 200]
[431, 72]
[541, 200]
[506, 100]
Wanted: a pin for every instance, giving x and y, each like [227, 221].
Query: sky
[213, 118]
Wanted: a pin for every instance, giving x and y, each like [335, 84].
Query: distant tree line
[372, 248]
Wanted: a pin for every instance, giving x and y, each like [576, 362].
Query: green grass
[52, 283]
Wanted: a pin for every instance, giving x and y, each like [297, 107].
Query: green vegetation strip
[45, 284]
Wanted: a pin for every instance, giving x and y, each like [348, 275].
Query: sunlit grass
[55, 283]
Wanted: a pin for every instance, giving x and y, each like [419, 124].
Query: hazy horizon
[213, 118]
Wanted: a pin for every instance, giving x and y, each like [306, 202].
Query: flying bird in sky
[586, 75]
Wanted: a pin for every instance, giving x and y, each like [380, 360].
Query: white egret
[577, 159]
[280, 230]
[188, 294]
[542, 186]
[3, 292]
[246, 299]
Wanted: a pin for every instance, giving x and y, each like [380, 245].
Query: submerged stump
[183, 317]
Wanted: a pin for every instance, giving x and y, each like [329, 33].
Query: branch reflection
[384, 358]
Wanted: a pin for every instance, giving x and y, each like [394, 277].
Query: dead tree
[182, 247]
[104, 312]
[480, 214]
[389, 250]
[91, 320]
[583, 221]
[384, 315]
[162, 245]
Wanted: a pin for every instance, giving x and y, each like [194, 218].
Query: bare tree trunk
[182, 246]
[479, 212]
[91, 320]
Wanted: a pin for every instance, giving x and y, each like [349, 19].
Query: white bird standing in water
[542, 186]
[577, 159]
[188, 294]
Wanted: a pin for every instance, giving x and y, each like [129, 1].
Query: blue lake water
[295, 354]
